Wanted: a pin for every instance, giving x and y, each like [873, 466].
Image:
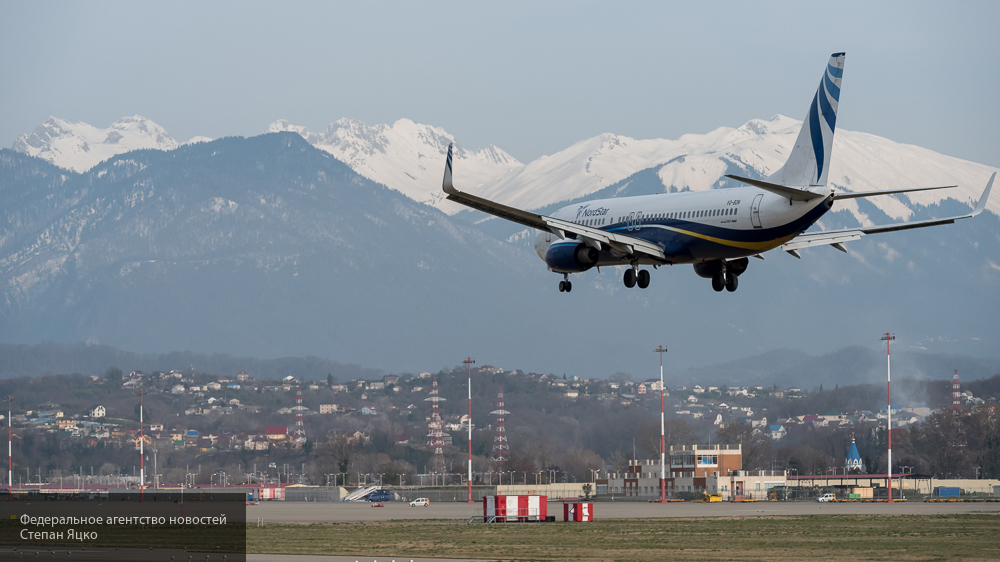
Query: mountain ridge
[268, 246]
[408, 157]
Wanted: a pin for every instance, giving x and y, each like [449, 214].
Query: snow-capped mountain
[80, 146]
[409, 157]
[405, 156]
[860, 162]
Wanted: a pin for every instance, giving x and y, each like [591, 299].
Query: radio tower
[299, 435]
[956, 392]
[435, 438]
[501, 452]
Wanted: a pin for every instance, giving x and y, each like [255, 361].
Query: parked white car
[827, 498]
[420, 502]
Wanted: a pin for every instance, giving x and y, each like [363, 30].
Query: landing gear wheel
[718, 282]
[643, 279]
[569, 286]
[562, 286]
[629, 278]
[732, 281]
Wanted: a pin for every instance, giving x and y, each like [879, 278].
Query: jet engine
[571, 258]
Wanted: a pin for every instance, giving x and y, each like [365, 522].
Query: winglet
[447, 184]
[985, 196]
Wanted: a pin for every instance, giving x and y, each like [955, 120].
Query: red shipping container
[503, 509]
[578, 511]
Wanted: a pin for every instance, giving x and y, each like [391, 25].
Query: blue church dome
[854, 459]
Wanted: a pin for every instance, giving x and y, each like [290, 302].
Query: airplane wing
[836, 238]
[593, 237]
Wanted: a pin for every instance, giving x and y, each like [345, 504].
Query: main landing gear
[635, 276]
[723, 273]
[725, 280]
[565, 286]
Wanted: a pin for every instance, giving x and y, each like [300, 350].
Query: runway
[339, 512]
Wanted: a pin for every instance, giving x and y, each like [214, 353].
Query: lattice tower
[299, 435]
[435, 435]
[501, 451]
[956, 392]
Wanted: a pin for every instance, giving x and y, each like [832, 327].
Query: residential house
[276, 433]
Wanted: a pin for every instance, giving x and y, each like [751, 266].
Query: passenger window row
[689, 214]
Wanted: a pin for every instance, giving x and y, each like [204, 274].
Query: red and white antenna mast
[888, 410]
[299, 434]
[10, 455]
[142, 456]
[956, 392]
[435, 437]
[469, 361]
[501, 451]
[663, 455]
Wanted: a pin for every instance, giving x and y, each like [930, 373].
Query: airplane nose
[542, 242]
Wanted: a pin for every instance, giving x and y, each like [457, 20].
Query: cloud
[890, 253]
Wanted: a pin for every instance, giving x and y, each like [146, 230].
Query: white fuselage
[694, 226]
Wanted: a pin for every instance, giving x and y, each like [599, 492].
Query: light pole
[888, 409]
[469, 361]
[663, 455]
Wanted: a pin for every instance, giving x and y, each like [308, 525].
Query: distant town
[203, 430]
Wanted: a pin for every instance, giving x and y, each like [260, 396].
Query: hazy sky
[532, 78]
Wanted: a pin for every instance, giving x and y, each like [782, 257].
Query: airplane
[716, 231]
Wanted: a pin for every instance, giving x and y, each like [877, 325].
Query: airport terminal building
[697, 469]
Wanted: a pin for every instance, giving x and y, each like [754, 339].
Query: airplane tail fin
[809, 162]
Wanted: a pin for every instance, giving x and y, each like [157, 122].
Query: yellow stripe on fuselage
[755, 246]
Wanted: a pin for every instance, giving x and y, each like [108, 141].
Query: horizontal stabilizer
[836, 238]
[792, 193]
[839, 196]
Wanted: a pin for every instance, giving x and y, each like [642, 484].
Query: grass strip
[812, 537]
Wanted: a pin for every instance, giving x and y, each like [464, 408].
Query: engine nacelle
[738, 266]
[571, 258]
[709, 269]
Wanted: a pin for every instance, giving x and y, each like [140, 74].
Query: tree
[675, 432]
[756, 445]
[113, 378]
[329, 379]
[620, 378]
[335, 453]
